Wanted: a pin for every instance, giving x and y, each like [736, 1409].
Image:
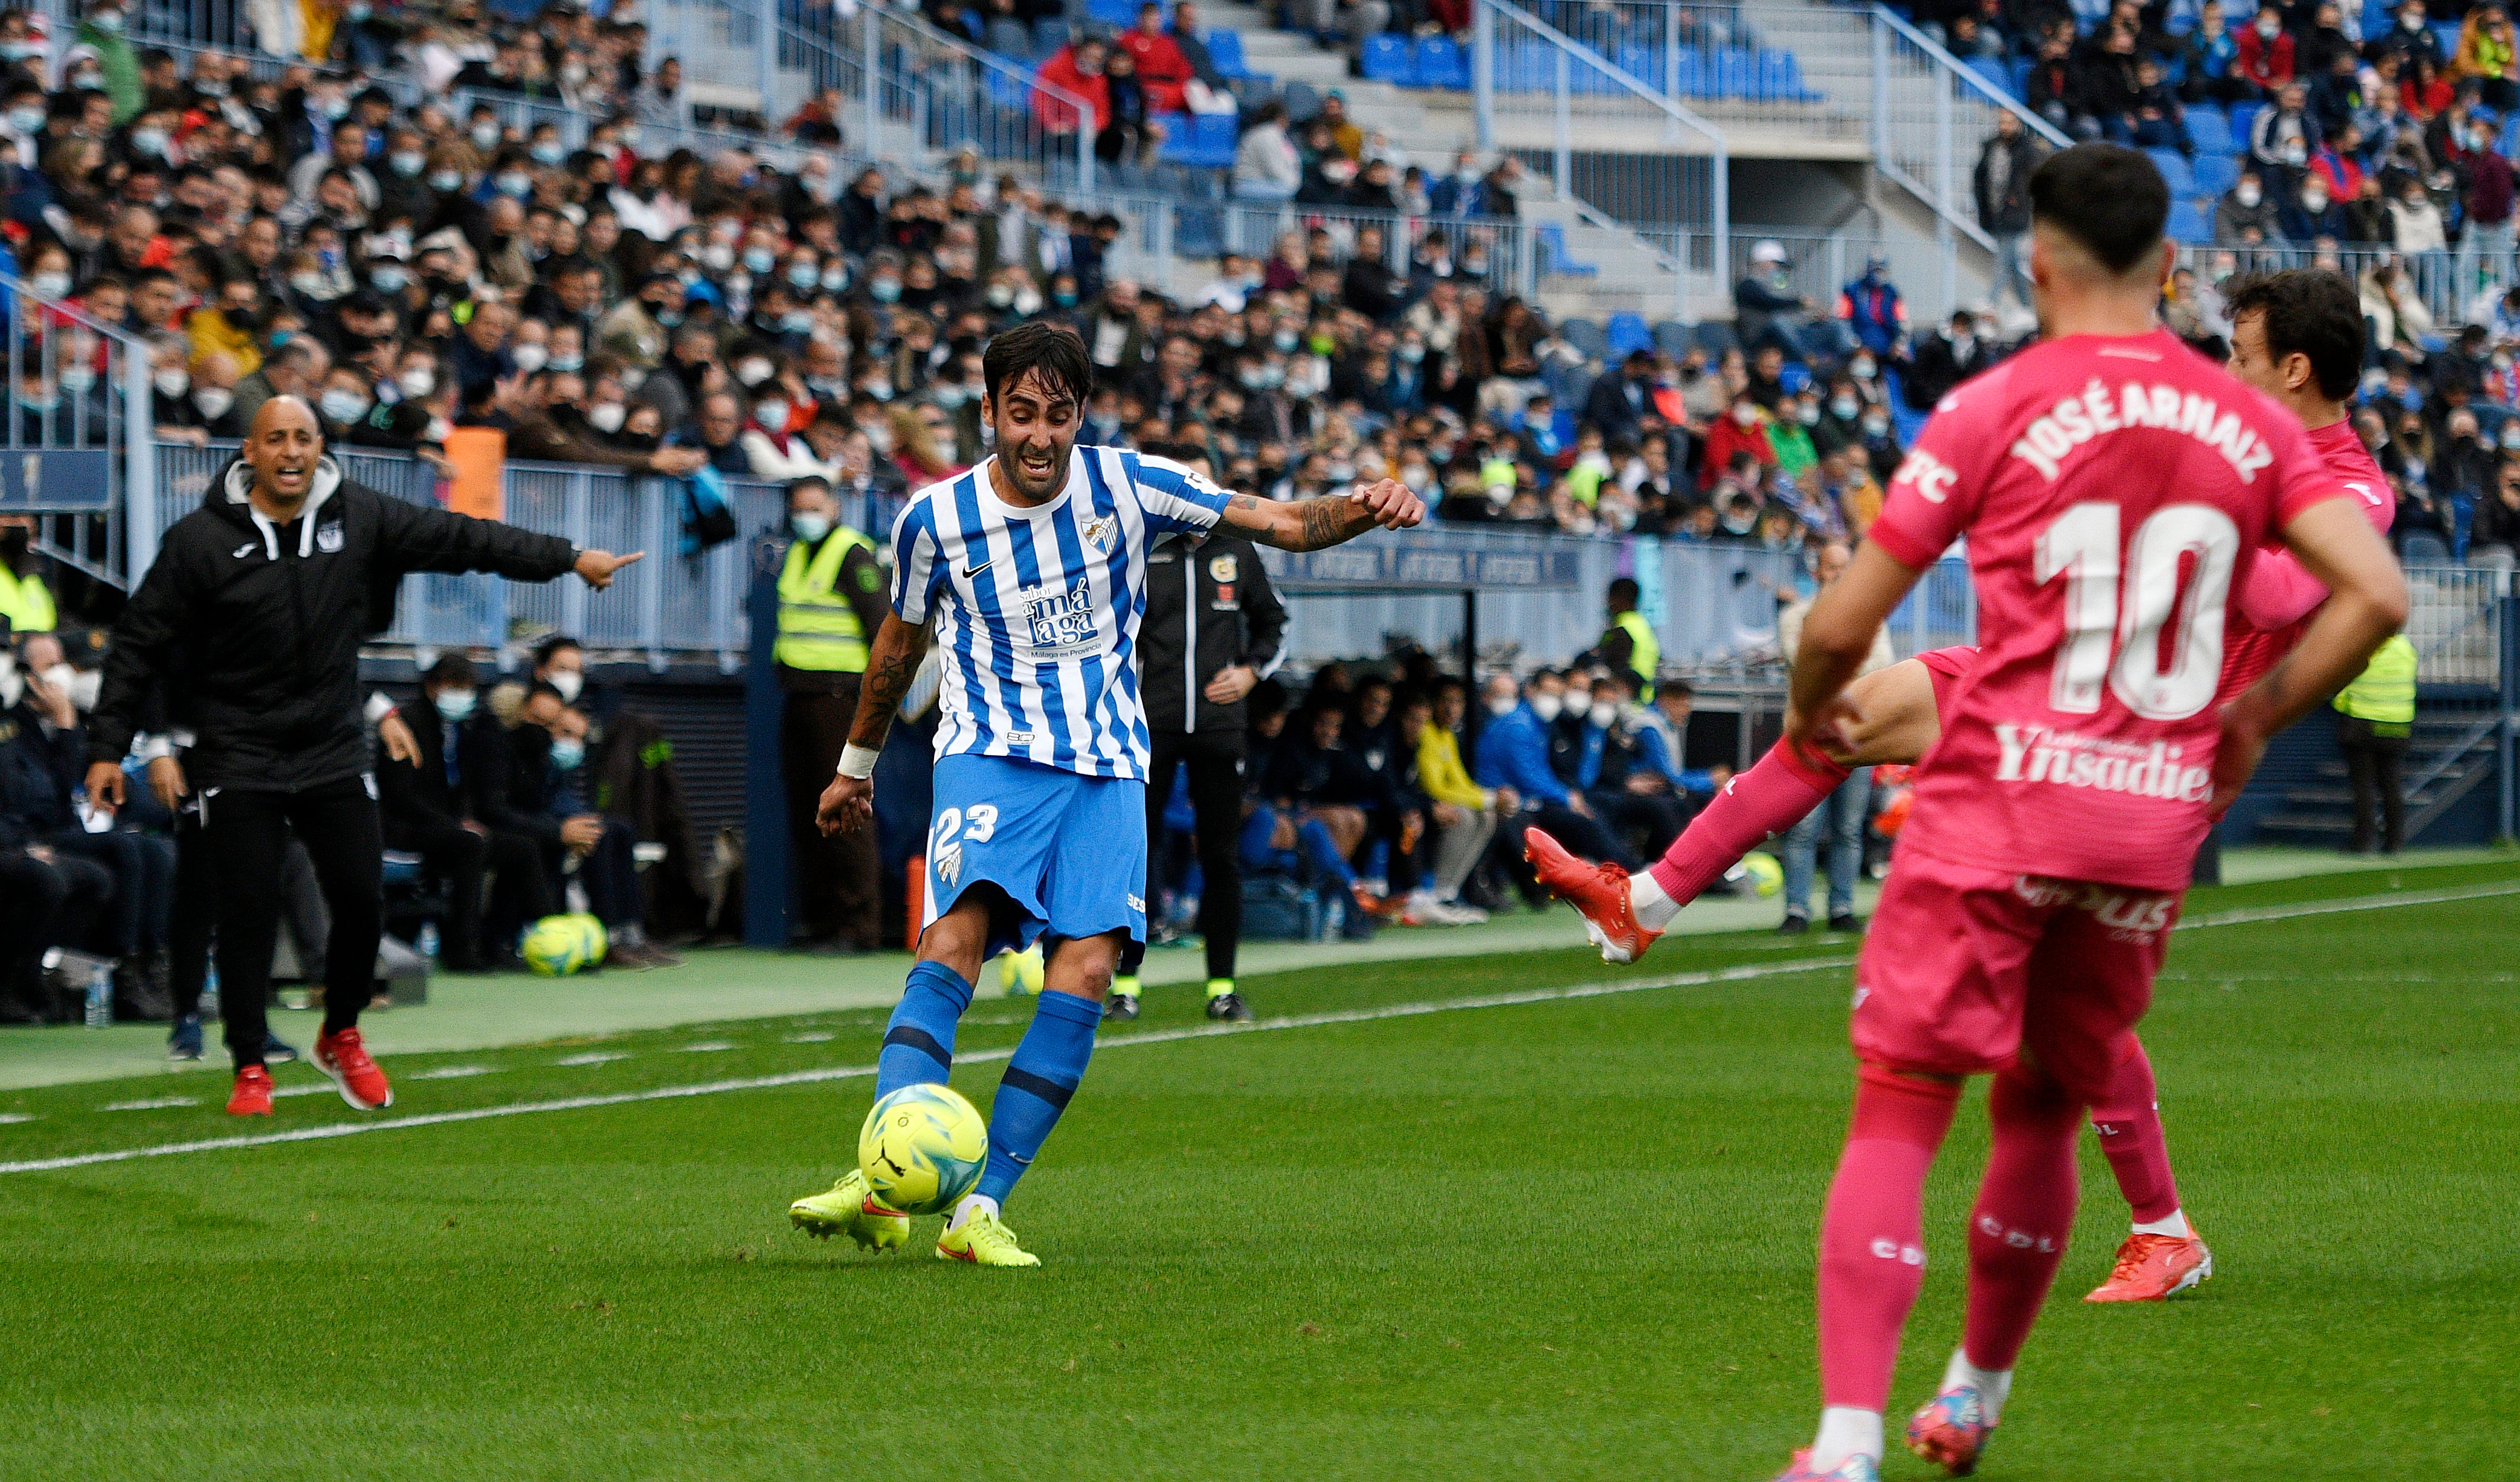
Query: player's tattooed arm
[892, 665]
[1313, 524]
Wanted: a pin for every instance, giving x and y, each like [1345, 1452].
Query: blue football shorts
[1068, 850]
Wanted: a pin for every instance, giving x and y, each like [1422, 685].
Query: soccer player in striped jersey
[2297, 336]
[1028, 575]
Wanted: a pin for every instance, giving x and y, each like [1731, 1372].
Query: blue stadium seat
[1224, 52]
[1007, 91]
[1584, 335]
[2209, 128]
[1301, 100]
[2447, 33]
[2188, 224]
[1555, 258]
[2215, 174]
[1670, 338]
[1119, 14]
[1049, 34]
[1714, 337]
[1386, 59]
[2243, 114]
[1640, 61]
[1793, 376]
[1628, 334]
[1441, 62]
[1200, 141]
[2174, 170]
[2510, 133]
[1692, 73]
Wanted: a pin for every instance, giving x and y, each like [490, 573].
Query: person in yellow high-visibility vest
[2374, 715]
[1629, 641]
[24, 601]
[831, 600]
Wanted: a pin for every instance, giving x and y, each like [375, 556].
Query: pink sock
[1871, 1234]
[2131, 1137]
[2025, 1210]
[1769, 799]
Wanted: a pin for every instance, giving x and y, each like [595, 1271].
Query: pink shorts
[1946, 666]
[1969, 970]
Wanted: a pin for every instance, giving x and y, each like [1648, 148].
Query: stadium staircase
[2449, 758]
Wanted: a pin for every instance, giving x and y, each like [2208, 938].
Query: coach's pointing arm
[1313, 524]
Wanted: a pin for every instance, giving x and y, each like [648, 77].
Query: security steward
[265, 592]
[1629, 643]
[831, 598]
[24, 601]
[2374, 716]
[1213, 628]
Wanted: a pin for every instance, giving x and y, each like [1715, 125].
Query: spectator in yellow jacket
[1463, 815]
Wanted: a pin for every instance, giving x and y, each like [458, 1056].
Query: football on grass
[923, 1148]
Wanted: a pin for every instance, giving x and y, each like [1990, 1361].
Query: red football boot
[1599, 891]
[251, 1096]
[343, 1058]
[2154, 1268]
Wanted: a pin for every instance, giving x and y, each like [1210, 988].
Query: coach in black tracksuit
[266, 593]
[1212, 629]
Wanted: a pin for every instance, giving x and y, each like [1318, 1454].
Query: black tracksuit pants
[246, 835]
[1215, 762]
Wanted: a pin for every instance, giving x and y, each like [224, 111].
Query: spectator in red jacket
[2266, 51]
[1075, 68]
[1162, 69]
[1741, 429]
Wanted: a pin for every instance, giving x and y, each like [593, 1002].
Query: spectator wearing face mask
[832, 598]
[1948, 357]
[1742, 431]
[2485, 187]
[548, 424]
[2244, 214]
[2313, 214]
[1510, 760]
[445, 808]
[2283, 136]
[2265, 58]
[554, 798]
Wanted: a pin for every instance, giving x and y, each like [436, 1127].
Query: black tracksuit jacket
[1240, 621]
[267, 620]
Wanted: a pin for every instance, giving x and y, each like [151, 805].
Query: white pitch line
[1573, 991]
[973, 1057]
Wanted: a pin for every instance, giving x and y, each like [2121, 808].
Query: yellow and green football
[923, 1148]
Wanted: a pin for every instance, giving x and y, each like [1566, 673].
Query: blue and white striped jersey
[1037, 610]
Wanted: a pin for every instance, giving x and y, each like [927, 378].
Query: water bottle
[428, 942]
[100, 996]
[210, 990]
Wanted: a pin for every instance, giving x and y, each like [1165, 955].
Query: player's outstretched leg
[2163, 1256]
[1048, 1066]
[2025, 1209]
[918, 1049]
[1624, 914]
[1872, 1265]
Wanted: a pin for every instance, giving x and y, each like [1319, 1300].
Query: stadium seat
[2174, 170]
[2423, 547]
[1586, 336]
[2215, 174]
[2244, 115]
[1628, 334]
[1006, 90]
[1386, 58]
[2209, 128]
[1714, 337]
[1793, 376]
[1119, 14]
[1200, 141]
[1301, 101]
[1555, 258]
[2188, 224]
[1225, 53]
[1049, 34]
[1670, 338]
[1440, 61]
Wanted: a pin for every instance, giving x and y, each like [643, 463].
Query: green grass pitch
[1564, 1238]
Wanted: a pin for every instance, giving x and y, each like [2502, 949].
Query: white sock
[972, 1203]
[1845, 1431]
[1990, 1384]
[2176, 1225]
[1653, 905]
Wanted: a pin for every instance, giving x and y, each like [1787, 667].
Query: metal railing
[2445, 288]
[78, 448]
[1662, 162]
[1736, 62]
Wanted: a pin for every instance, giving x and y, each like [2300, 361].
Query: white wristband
[858, 761]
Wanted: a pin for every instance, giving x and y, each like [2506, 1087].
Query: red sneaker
[344, 1059]
[2154, 1268]
[1600, 891]
[252, 1095]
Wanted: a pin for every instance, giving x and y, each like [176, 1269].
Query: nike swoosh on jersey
[243, 551]
[976, 570]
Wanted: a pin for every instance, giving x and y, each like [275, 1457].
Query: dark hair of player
[2307, 311]
[2109, 199]
[1623, 593]
[1049, 351]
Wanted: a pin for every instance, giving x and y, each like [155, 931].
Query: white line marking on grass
[592, 1057]
[704, 1047]
[159, 1103]
[453, 1072]
[326, 1089]
[974, 1058]
[817, 1037]
[12, 1118]
[1573, 991]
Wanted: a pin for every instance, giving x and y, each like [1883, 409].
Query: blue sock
[1038, 1082]
[1314, 836]
[918, 1041]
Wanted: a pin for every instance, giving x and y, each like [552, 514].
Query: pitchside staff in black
[265, 592]
[1193, 695]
